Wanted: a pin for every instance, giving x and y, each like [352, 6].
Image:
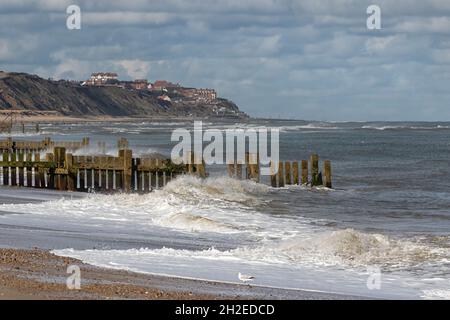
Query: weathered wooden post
[29, 169]
[5, 169]
[304, 171]
[37, 127]
[231, 168]
[13, 169]
[200, 165]
[126, 157]
[47, 142]
[20, 169]
[254, 167]
[70, 174]
[38, 172]
[239, 171]
[273, 176]
[247, 166]
[48, 173]
[295, 172]
[9, 143]
[190, 162]
[280, 174]
[287, 173]
[314, 170]
[327, 173]
[85, 141]
[60, 158]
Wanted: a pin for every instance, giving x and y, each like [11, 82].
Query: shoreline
[94, 119]
[40, 275]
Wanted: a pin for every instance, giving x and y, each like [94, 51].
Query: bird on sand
[245, 278]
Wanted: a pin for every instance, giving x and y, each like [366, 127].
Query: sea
[383, 231]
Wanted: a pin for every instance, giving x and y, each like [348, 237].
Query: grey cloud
[294, 58]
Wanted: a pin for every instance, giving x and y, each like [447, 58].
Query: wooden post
[287, 173]
[239, 171]
[314, 170]
[9, 143]
[47, 142]
[190, 162]
[37, 127]
[295, 172]
[273, 176]
[29, 158]
[85, 141]
[327, 173]
[49, 157]
[247, 166]
[127, 161]
[70, 174]
[231, 168]
[38, 172]
[60, 156]
[304, 171]
[5, 169]
[280, 175]
[13, 181]
[200, 165]
[253, 166]
[21, 170]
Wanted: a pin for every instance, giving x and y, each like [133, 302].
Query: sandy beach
[39, 275]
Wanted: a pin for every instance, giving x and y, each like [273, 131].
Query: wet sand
[38, 274]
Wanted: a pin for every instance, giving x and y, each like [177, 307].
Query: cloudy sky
[305, 59]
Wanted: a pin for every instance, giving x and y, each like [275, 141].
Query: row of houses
[111, 79]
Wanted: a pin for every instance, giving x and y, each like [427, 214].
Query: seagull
[245, 278]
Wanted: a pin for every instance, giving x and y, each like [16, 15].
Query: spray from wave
[187, 203]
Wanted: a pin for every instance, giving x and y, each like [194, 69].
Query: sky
[296, 59]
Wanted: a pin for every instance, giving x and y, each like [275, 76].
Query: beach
[386, 215]
[38, 274]
[32, 272]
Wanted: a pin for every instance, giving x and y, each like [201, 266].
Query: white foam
[187, 203]
[436, 294]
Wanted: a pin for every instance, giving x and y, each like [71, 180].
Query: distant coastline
[36, 99]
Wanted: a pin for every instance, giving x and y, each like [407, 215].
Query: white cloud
[424, 24]
[125, 18]
[5, 52]
[136, 69]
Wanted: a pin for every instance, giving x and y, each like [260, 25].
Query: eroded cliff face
[30, 92]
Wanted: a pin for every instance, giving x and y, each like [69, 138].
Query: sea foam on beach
[241, 209]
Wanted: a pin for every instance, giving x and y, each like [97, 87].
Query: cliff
[32, 93]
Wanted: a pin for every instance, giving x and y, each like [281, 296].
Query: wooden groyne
[288, 173]
[63, 171]
[10, 145]
[21, 165]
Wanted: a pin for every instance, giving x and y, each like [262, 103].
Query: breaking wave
[405, 127]
[344, 248]
[187, 203]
